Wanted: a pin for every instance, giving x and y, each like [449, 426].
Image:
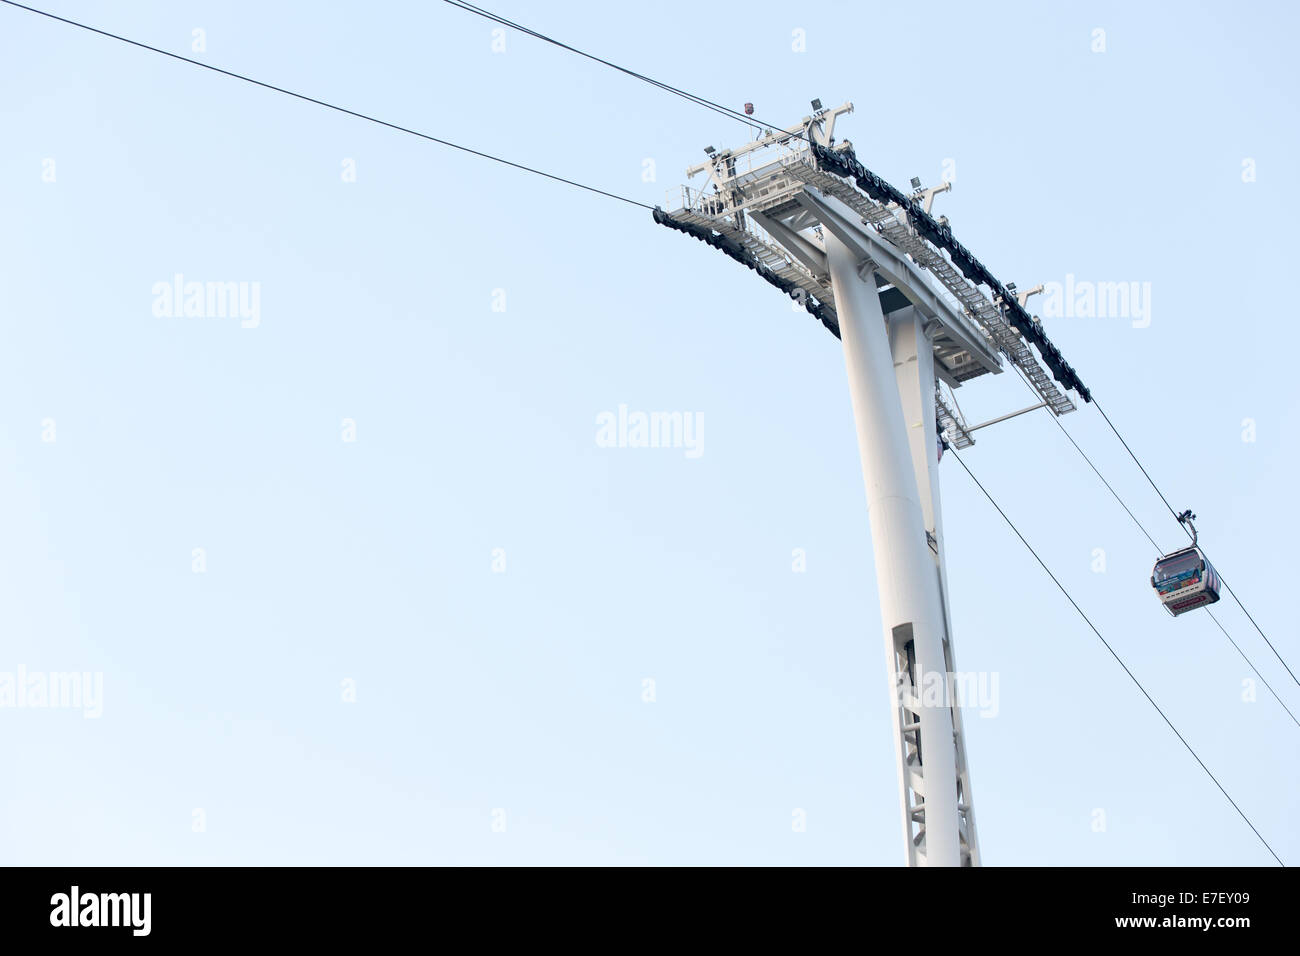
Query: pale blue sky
[476, 429]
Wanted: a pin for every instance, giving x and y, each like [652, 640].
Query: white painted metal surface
[914, 361]
[910, 606]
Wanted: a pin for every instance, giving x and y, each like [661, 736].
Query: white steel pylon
[895, 419]
[874, 266]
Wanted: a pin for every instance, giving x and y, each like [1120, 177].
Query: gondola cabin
[1185, 581]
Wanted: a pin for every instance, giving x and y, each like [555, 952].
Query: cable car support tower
[918, 317]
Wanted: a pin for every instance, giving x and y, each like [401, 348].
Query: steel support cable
[816, 308]
[1249, 663]
[331, 106]
[1115, 655]
[750, 121]
[1226, 586]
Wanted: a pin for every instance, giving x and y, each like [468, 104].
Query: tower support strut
[891, 402]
